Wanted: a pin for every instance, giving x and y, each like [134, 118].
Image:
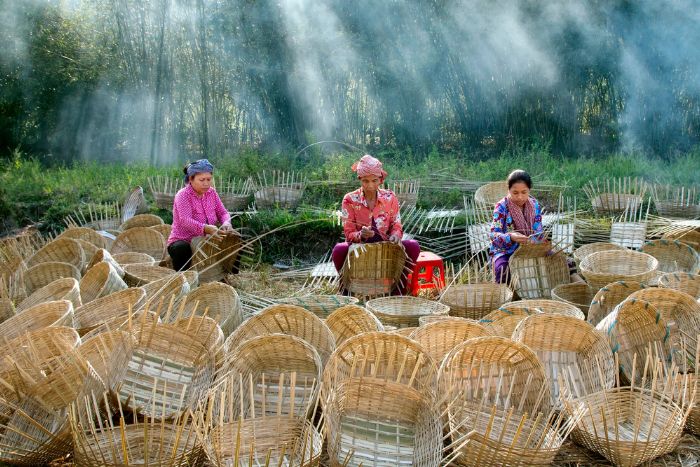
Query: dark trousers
[181, 254]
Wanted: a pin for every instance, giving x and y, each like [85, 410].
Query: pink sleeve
[396, 227]
[350, 222]
[182, 208]
[221, 211]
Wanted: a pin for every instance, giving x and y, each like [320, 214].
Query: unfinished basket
[235, 194]
[42, 315]
[673, 256]
[218, 301]
[132, 257]
[571, 349]
[499, 372]
[140, 240]
[440, 337]
[351, 320]
[676, 201]
[321, 305]
[85, 234]
[636, 331]
[169, 371]
[585, 250]
[404, 312]
[67, 288]
[286, 319]
[136, 275]
[406, 192]
[475, 300]
[109, 353]
[607, 298]
[163, 293]
[615, 203]
[108, 309]
[43, 274]
[206, 331]
[214, 258]
[141, 220]
[373, 270]
[503, 321]
[164, 190]
[135, 204]
[99, 281]
[577, 294]
[688, 283]
[627, 425]
[62, 250]
[602, 268]
[535, 270]
[279, 189]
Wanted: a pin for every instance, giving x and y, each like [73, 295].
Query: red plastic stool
[428, 273]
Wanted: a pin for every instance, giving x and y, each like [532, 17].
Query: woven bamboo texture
[282, 360]
[206, 331]
[404, 312]
[628, 426]
[169, 371]
[42, 315]
[67, 288]
[673, 256]
[109, 353]
[687, 236]
[279, 189]
[132, 257]
[139, 240]
[286, 319]
[218, 301]
[552, 307]
[214, 258]
[134, 204]
[7, 309]
[141, 220]
[43, 274]
[406, 192]
[503, 321]
[676, 201]
[88, 250]
[164, 190]
[489, 194]
[608, 297]
[351, 320]
[109, 308]
[62, 250]
[535, 270]
[99, 281]
[615, 203]
[602, 268]
[636, 331]
[571, 349]
[475, 300]
[85, 234]
[577, 294]
[162, 293]
[373, 270]
[688, 283]
[321, 305]
[499, 372]
[585, 250]
[136, 275]
[440, 337]
[192, 278]
[423, 320]
[163, 229]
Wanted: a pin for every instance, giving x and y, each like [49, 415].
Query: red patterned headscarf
[524, 217]
[369, 165]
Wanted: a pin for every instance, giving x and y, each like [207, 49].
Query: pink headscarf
[368, 165]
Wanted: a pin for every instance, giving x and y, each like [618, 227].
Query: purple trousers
[500, 269]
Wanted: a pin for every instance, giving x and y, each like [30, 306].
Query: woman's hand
[366, 233]
[226, 228]
[517, 237]
[211, 230]
[395, 239]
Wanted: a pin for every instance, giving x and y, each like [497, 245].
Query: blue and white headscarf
[197, 167]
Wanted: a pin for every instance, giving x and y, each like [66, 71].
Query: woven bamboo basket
[552, 307]
[42, 315]
[169, 371]
[219, 301]
[585, 250]
[503, 321]
[62, 250]
[404, 312]
[607, 298]
[535, 271]
[85, 234]
[102, 255]
[577, 294]
[108, 435]
[140, 240]
[283, 197]
[440, 337]
[7, 309]
[615, 203]
[282, 360]
[88, 250]
[673, 256]
[602, 268]
[628, 425]
[99, 281]
[165, 293]
[135, 203]
[379, 400]
[109, 354]
[676, 201]
[132, 257]
[321, 305]
[233, 434]
[206, 331]
[163, 229]
[688, 283]
[351, 320]
[571, 349]
[423, 320]
[475, 300]
[489, 194]
[43, 274]
[636, 331]
[141, 220]
[107, 309]
[136, 275]
[235, 201]
[67, 288]
[688, 236]
[501, 373]
[373, 270]
[214, 258]
[164, 190]
[286, 319]
[406, 192]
